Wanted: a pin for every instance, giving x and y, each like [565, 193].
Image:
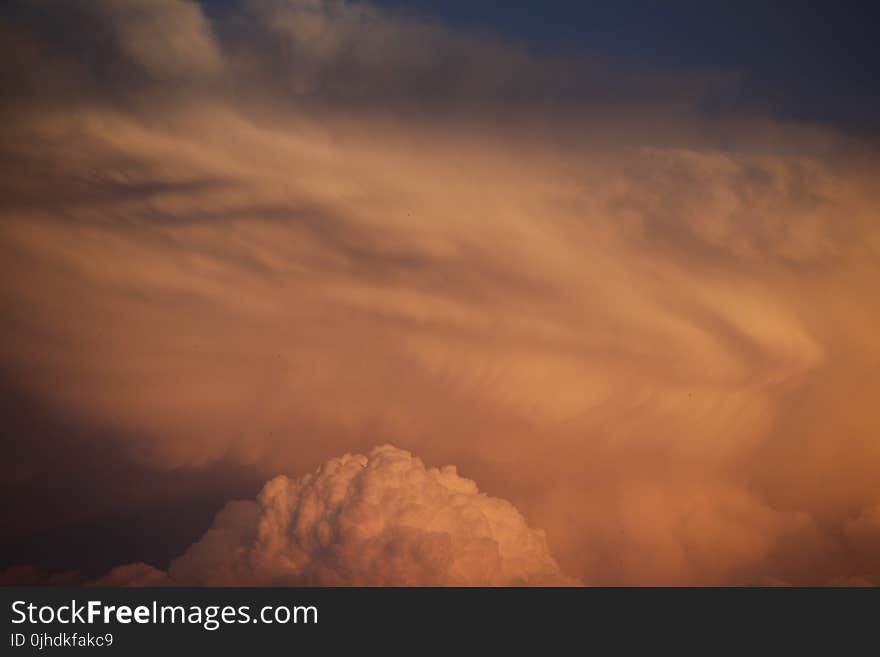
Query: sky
[814, 61]
[345, 293]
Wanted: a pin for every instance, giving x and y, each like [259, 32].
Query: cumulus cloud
[377, 520]
[133, 575]
[295, 229]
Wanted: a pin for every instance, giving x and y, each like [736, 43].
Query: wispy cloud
[307, 227]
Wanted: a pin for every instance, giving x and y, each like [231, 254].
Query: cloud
[294, 230]
[378, 520]
[32, 576]
[133, 575]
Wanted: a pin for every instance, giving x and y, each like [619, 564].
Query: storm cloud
[293, 230]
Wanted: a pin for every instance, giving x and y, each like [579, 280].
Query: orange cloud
[652, 332]
[377, 520]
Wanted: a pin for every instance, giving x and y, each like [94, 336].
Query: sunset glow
[243, 245]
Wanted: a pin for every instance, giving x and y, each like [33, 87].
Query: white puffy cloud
[378, 520]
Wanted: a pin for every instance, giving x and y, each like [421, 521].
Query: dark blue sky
[807, 59]
[810, 60]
